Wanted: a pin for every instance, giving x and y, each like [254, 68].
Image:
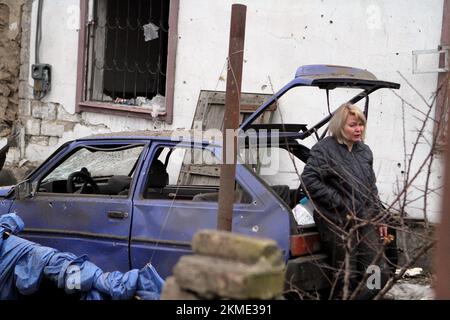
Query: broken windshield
[100, 162]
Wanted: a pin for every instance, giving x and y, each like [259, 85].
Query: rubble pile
[227, 265]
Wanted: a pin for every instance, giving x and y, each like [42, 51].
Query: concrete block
[236, 247]
[24, 107]
[172, 291]
[210, 277]
[52, 129]
[39, 140]
[33, 127]
[44, 111]
[68, 126]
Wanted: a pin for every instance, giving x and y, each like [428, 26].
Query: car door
[93, 223]
[165, 221]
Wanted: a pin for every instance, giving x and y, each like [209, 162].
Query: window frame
[82, 105]
[157, 144]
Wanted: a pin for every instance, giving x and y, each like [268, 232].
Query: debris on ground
[415, 285]
[413, 272]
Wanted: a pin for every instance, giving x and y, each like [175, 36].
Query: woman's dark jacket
[339, 181]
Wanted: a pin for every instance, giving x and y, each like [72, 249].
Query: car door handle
[117, 214]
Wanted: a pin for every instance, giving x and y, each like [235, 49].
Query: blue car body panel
[156, 230]
[79, 225]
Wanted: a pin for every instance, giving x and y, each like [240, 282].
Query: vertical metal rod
[231, 117]
[442, 258]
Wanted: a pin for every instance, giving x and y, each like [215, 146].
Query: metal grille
[127, 50]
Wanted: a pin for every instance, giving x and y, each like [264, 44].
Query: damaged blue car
[130, 198]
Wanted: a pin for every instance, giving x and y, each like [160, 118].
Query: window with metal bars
[127, 51]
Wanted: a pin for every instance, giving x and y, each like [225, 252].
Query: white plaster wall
[280, 36]
[59, 47]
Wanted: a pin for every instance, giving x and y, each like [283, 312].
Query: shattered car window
[100, 162]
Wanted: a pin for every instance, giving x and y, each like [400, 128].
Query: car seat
[158, 178]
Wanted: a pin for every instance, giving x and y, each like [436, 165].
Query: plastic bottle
[303, 212]
[305, 202]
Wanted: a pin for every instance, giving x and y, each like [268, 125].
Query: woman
[340, 181]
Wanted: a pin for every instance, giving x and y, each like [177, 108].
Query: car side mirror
[23, 190]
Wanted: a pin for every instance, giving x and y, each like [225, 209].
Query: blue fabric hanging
[23, 265]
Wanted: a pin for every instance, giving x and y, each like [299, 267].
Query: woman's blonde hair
[339, 119]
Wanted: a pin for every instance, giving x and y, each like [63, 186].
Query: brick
[33, 127]
[68, 126]
[24, 107]
[45, 111]
[52, 129]
[210, 277]
[39, 140]
[172, 291]
[236, 247]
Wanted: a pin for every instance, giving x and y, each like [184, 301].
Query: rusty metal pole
[231, 117]
[442, 255]
[443, 79]
[442, 258]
